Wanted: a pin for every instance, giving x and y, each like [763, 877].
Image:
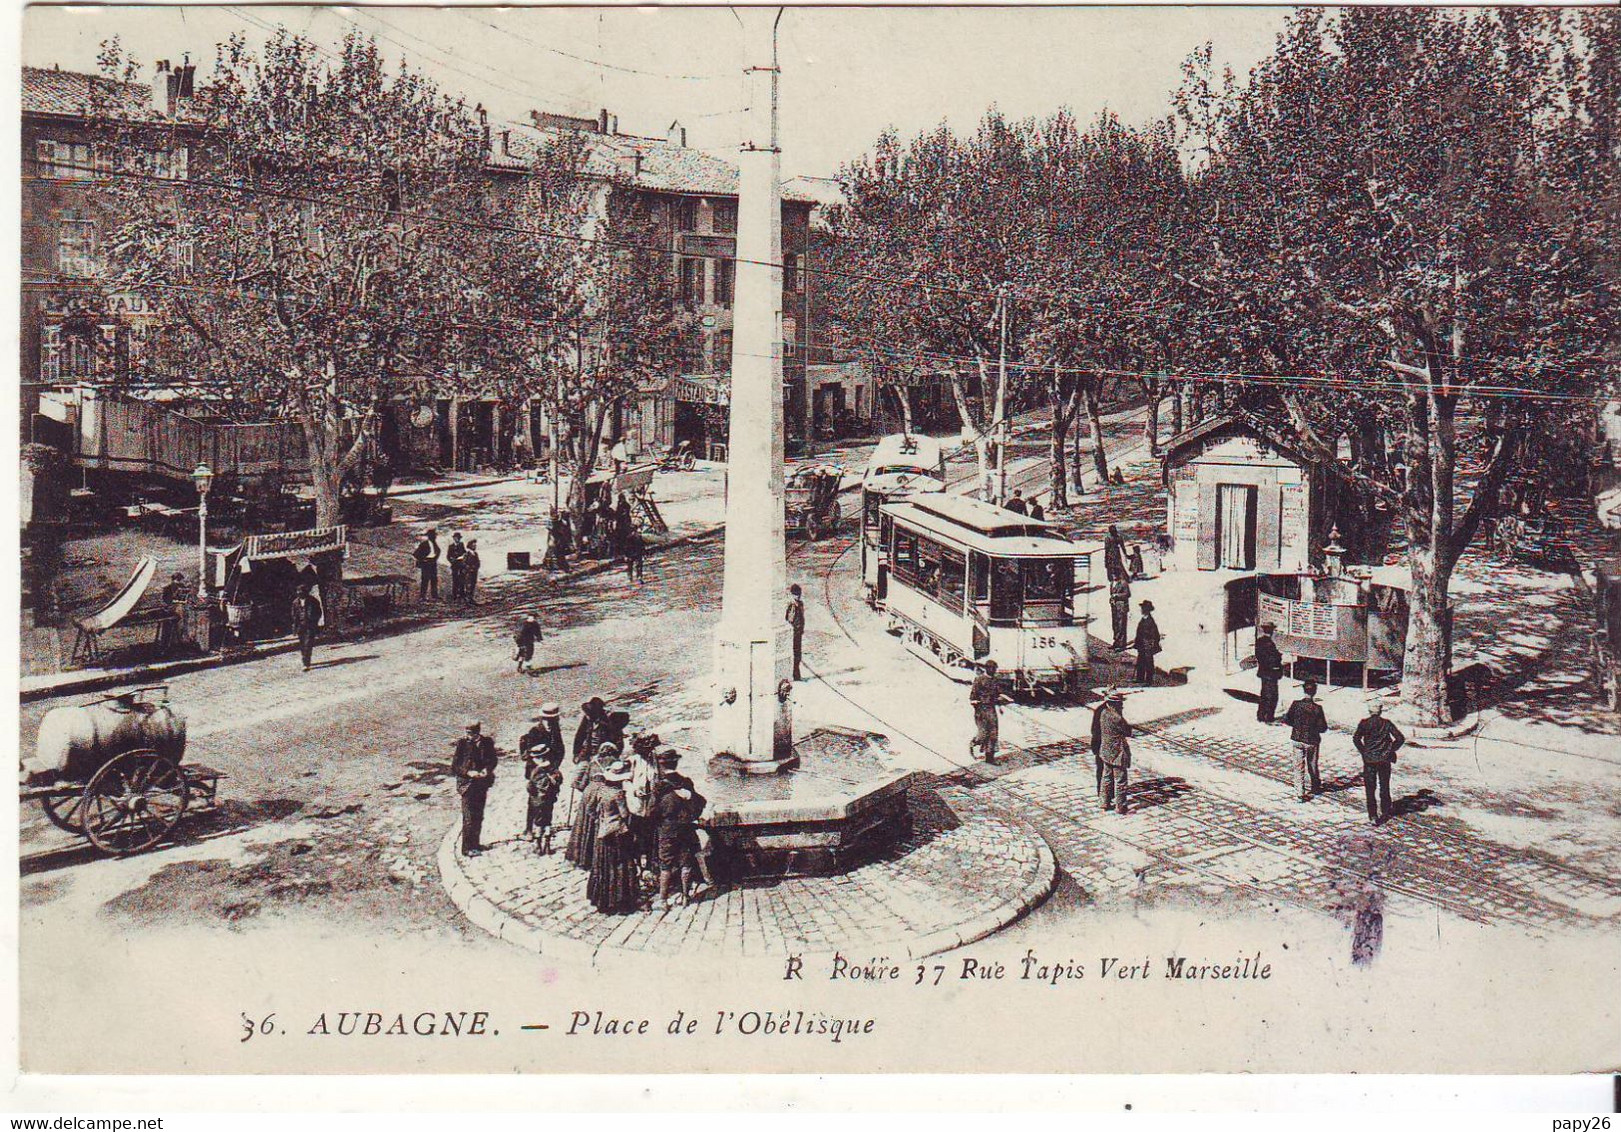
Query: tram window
[953, 579]
[981, 577]
[1007, 592]
[905, 554]
[1047, 580]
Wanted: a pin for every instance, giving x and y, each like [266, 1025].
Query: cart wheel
[688, 462]
[133, 801]
[66, 811]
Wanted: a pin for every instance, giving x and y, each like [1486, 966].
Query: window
[172, 164]
[725, 277]
[790, 272]
[65, 357]
[725, 213]
[723, 349]
[182, 257]
[981, 578]
[684, 214]
[692, 282]
[1047, 580]
[1007, 594]
[66, 161]
[903, 558]
[75, 244]
[953, 580]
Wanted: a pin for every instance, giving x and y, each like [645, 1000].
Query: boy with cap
[1306, 723]
[675, 814]
[528, 633]
[542, 751]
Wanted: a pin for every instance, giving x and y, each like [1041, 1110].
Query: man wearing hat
[542, 751]
[640, 792]
[1114, 750]
[1307, 724]
[1148, 644]
[474, 768]
[796, 624]
[1377, 740]
[593, 729]
[675, 814]
[1269, 666]
[306, 615]
[175, 596]
[985, 695]
[427, 559]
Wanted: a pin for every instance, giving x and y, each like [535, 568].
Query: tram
[969, 581]
[900, 466]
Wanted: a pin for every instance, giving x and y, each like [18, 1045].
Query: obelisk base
[753, 718]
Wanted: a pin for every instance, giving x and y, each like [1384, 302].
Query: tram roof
[984, 527]
[892, 482]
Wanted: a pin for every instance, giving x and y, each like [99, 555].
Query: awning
[295, 544]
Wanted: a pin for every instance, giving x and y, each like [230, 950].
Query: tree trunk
[1058, 478]
[326, 479]
[1094, 416]
[1427, 663]
[966, 415]
[1177, 397]
[1151, 422]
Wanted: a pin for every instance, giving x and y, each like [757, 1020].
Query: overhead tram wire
[592, 62]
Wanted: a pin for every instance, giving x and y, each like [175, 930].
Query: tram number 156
[1043, 642]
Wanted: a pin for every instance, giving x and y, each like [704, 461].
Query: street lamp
[203, 477]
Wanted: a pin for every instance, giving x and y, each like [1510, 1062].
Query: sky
[847, 73]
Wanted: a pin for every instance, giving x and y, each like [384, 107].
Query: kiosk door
[1235, 519]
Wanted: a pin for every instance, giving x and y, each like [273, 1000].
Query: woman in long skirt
[583, 836]
[614, 885]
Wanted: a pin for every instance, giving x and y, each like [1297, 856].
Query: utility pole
[753, 667]
[1000, 427]
[805, 346]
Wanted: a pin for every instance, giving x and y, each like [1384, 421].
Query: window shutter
[45, 158]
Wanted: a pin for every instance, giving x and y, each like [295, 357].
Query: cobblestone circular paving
[954, 880]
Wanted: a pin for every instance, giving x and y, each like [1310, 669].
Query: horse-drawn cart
[811, 501]
[113, 771]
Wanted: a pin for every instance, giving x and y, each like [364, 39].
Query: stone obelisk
[753, 665]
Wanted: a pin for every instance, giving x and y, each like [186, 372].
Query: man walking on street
[1307, 723]
[1114, 750]
[986, 697]
[634, 548]
[474, 768]
[427, 558]
[306, 622]
[1269, 666]
[1119, 611]
[796, 621]
[456, 555]
[1377, 740]
[1148, 644]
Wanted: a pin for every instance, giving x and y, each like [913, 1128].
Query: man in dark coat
[796, 623]
[624, 522]
[1016, 504]
[986, 697]
[427, 559]
[1114, 750]
[1148, 644]
[677, 806]
[1114, 554]
[306, 622]
[456, 555]
[1306, 723]
[634, 549]
[470, 567]
[1269, 667]
[1377, 740]
[542, 750]
[1037, 512]
[1119, 611]
[474, 768]
[559, 542]
[1097, 737]
[593, 729]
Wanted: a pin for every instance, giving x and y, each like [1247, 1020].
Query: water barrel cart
[811, 501]
[113, 771]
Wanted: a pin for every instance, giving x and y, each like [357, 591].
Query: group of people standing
[1120, 566]
[606, 530]
[464, 567]
[633, 817]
